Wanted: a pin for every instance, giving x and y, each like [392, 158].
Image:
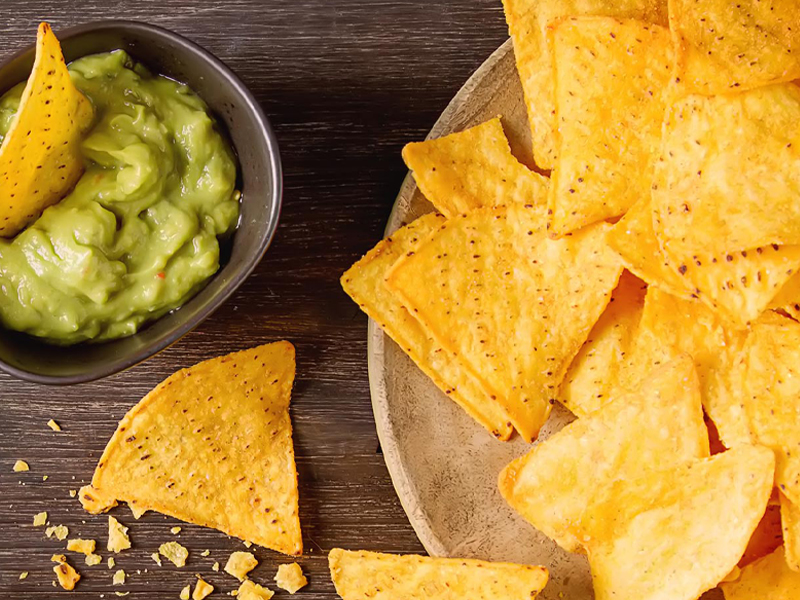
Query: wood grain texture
[346, 83]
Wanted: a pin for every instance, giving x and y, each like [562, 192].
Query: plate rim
[376, 338]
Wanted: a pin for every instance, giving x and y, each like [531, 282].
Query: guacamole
[139, 233]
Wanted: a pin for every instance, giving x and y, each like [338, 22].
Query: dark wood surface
[346, 83]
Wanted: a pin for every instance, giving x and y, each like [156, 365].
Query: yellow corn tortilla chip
[364, 282]
[595, 372]
[473, 169]
[658, 425]
[738, 286]
[212, 445]
[790, 525]
[770, 393]
[611, 81]
[729, 173]
[290, 578]
[733, 46]
[770, 578]
[675, 534]
[240, 564]
[359, 575]
[40, 156]
[513, 305]
[252, 591]
[767, 537]
[527, 23]
[66, 574]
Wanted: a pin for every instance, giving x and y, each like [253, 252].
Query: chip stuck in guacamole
[139, 233]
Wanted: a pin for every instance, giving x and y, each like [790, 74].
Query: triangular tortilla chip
[611, 82]
[527, 24]
[738, 286]
[473, 169]
[767, 537]
[660, 424]
[675, 534]
[769, 578]
[770, 393]
[211, 445]
[595, 373]
[790, 525]
[732, 46]
[513, 305]
[40, 158]
[360, 575]
[364, 282]
[728, 176]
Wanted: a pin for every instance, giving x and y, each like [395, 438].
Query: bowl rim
[252, 105]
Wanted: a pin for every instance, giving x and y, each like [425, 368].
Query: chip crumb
[175, 530]
[215, 567]
[23, 575]
[119, 577]
[205, 553]
[122, 593]
[201, 589]
[67, 576]
[83, 546]
[60, 531]
[53, 425]
[40, 519]
[247, 544]
[118, 539]
[240, 564]
[290, 577]
[45, 477]
[174, 552]
[73, 493]
[252, 591]
[156, 557]
[185, 592]
[111, 562]
[93, 559]
[21, 465]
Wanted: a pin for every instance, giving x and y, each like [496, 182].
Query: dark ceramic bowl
[260, 171]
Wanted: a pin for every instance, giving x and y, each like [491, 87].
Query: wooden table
[346, 83]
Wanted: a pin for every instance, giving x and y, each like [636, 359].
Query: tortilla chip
[473, 169]
[677, 533]
[118, 539]
[201, 589]
[364, 282]
[729, 173]
[290, 578]
[790, 525]
[512, 304]
[359, 575]
[770, 393]
[768, 579]
[767, 537]
[184, 451]
[527, 24]
[659, 424]
[595, 372]
[240, 564]
[726, 46]
[40, 157]
[738, 286]
[82, 546]
[611, 79]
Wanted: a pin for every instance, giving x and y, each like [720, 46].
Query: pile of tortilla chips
[650, 284]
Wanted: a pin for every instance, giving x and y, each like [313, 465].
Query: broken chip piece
[82, 546]
[252, 591]
[180, 451]
[768, 578]
[118, 539]
[67, 576]
[174, 552]
[201, 589]
[359, 575]
[59, 531]
[93, 559]
[21, 465]
[290, 578]
[186, 592]
[53, 425]
[119, 577]
[40, 519]
[240, 564]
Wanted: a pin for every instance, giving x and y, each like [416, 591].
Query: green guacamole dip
[138, 235]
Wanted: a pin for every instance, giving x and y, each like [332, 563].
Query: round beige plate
[444, 465]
